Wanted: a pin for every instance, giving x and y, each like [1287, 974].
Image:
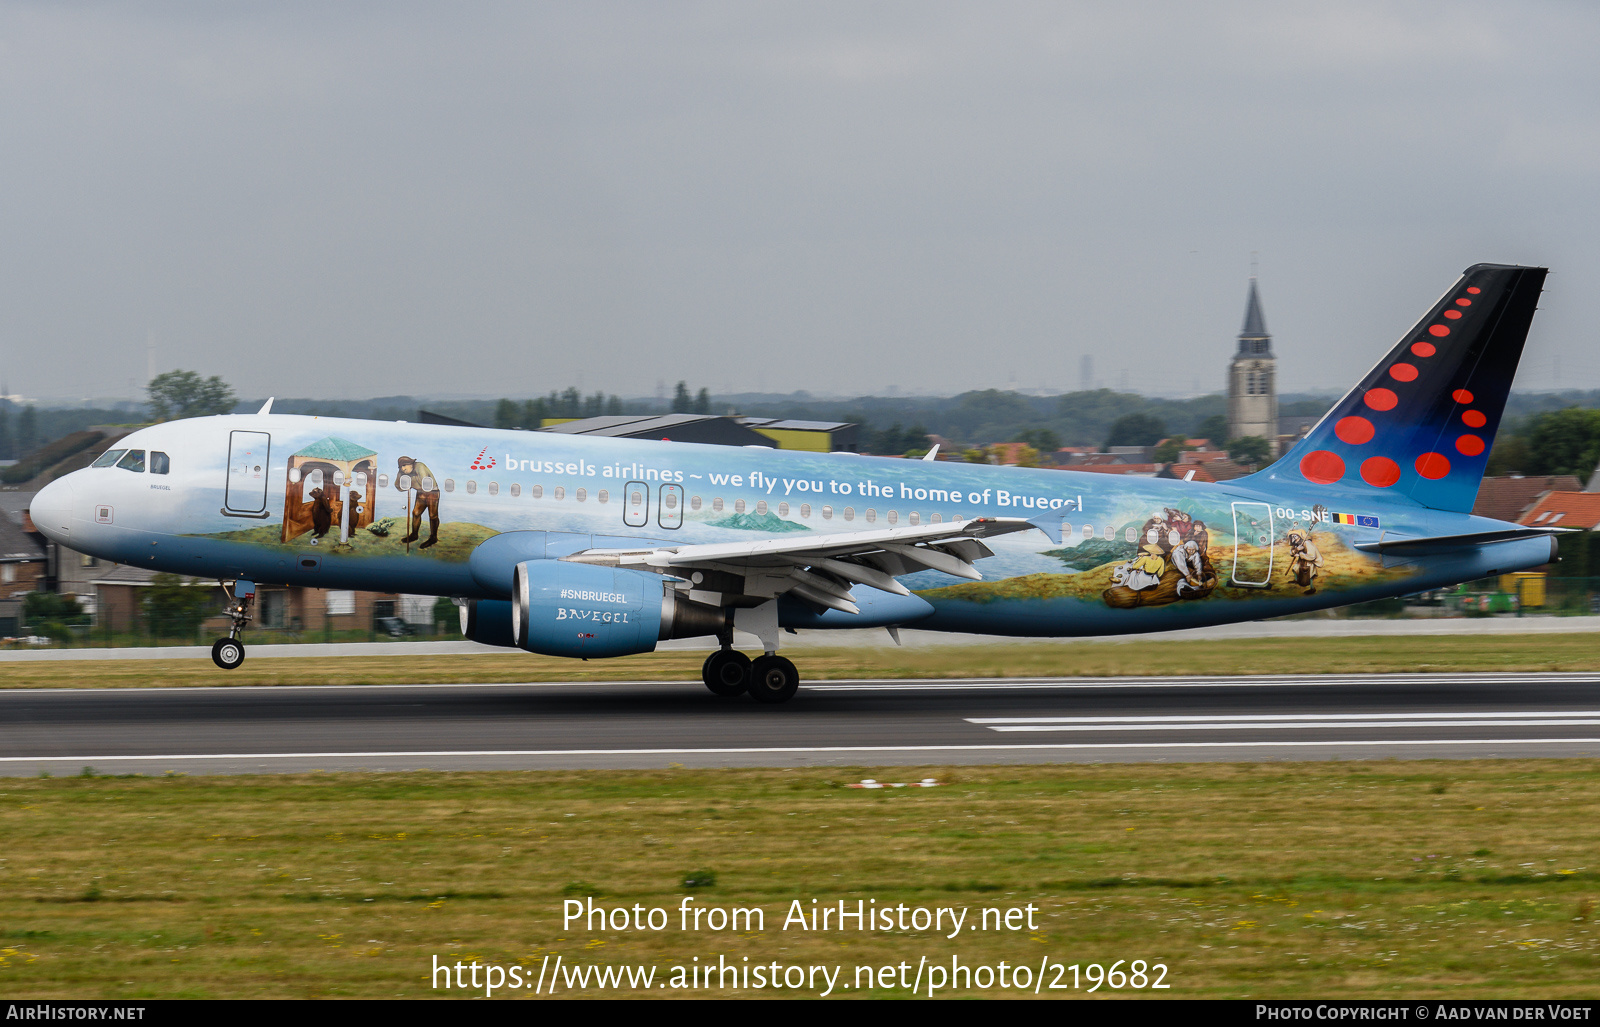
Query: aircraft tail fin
[1421, 423]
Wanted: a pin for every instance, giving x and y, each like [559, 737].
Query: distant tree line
[530, 413]
[1543, 433]
[19, 434]
[1550, 442]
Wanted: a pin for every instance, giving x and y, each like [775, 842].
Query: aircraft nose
[51, 509]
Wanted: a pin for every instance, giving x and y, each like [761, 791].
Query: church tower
[1253, 379]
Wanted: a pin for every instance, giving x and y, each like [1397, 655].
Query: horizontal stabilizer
[1439, 542]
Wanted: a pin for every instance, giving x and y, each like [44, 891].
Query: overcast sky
[499, 199]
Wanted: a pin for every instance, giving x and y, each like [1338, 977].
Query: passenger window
[872, 515]
[827, 513]
[1132, 534]
[849, 513]
[716, 504]
[783, 509]
[516, 490]
[109, 458]
[383, 481]
[160, 463]
[738, 506]
[603, 495]
[472, 488]
[494, 488]
[582, 495]
[560, 492]
[914, 518]
[694, 504]
[133, 461]
[805, 509]
[537, 492]
[936, 519]
[894, 516]
[449, 484]
[670, 500]
[761, 507]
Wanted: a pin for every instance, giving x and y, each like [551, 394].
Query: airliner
[588, 547]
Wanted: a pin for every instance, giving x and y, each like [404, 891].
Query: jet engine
[573, 609]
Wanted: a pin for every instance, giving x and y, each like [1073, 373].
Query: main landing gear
[770, 679]
[228, 652]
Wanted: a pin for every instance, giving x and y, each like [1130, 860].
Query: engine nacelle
[575, 609]
[488, 622]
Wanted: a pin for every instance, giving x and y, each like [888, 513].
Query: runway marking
[1292, 721]
[909, 684]
[435, 754]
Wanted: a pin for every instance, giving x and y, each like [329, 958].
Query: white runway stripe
[455, 753]
[1294, 721]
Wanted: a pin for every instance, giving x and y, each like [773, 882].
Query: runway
[833, 723]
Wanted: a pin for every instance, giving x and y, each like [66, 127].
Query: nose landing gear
[228, 652]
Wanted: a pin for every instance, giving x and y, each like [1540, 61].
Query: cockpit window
[109, 457]
[132, 461]
[160, 463]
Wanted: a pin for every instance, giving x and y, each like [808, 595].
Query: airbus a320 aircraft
[571, 545]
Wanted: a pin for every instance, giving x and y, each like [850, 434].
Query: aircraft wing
[816, 568]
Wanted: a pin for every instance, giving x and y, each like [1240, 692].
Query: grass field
[1455, 880]
[1575, 652]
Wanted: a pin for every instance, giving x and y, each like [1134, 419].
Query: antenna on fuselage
[266, 408]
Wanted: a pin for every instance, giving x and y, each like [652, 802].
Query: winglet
[266, 408]
[1051, 526]
[932, 454]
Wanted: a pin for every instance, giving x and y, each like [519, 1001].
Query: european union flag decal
[1359, 520]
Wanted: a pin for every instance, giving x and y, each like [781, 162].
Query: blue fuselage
[397, 507]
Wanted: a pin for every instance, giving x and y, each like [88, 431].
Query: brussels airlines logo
[484, 462]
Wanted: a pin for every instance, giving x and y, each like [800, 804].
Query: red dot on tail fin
[1433, 465]
[1322, 467]
[1380, 471]
[1357, 431]
[1381, 399]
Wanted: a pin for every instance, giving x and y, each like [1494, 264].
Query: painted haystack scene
[332, 488]
[1174, 558]
[1173, 562]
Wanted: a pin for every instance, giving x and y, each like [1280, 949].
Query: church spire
[1254, 339]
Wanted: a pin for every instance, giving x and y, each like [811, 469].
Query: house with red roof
[1565, 510]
